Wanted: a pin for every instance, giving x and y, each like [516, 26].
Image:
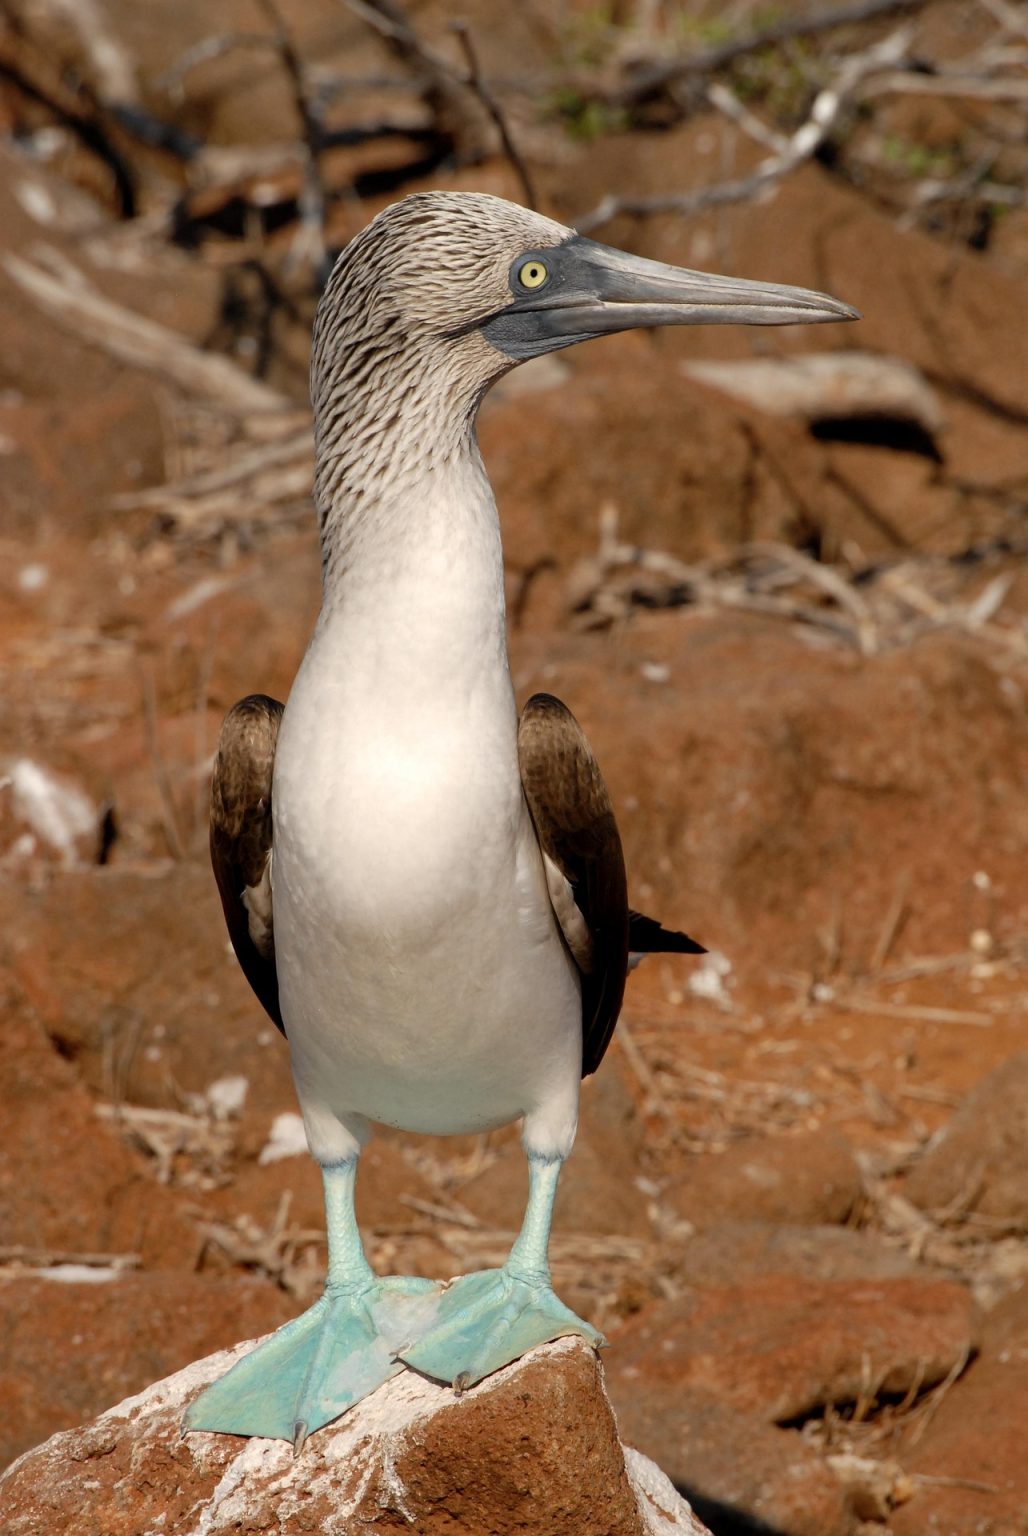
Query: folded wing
[585, 866]
[241, 835]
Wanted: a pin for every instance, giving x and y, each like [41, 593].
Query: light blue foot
[339, 1351]
[317, 1366]
[487, 1320]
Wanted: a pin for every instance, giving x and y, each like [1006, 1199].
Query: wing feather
[574, 821]
[241, 833]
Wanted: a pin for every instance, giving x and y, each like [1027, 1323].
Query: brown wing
[574, 821]
[241, 839]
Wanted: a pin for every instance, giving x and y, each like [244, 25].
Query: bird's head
[471, 285]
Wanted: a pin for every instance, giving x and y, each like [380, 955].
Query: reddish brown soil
[849, 831]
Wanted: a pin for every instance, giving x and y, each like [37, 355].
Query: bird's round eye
[532, 274]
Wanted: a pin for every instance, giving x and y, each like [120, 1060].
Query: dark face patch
[529, 326]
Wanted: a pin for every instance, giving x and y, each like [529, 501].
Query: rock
[731, 1466]
[534, 1447]
[980, 1160]
[785, 1348]
[123, 1007]
[969, 1466]
[70, 1346]
[789, 792]
[68, 1182]
[743, 1250]
[811, 1178]
[828, 386]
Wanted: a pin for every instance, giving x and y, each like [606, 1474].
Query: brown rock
[744, 1250]
[974, 1443]
[788, 790]
[733, 1468]
[534, 1447]
[54, 1193]
[122, 1006]
[67, 1348]
[980, 1161]
[785, 1348]
[811, 1178]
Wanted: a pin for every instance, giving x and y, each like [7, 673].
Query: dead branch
[74, 112]
[657, 78]
[204, 52]
[726, 102]
[140, 342]
[894, 604]
[455, 109]
[282, 1251]
[447, 91]
[974, 87]
[1008, 17]
[114, 68]
[492, 106]
[190, 1150]
[296, 452]
[827, 107]
[19, 1256]
[309, 242]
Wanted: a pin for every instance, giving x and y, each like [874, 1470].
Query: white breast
[423, 979]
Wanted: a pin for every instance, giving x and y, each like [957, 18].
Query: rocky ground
[796, 631]
[413, 1456]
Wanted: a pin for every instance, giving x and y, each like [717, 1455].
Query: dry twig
[138, 341]
[492, 106]
[827, 107]
[658, 78]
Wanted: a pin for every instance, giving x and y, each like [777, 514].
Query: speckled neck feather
[398, 366]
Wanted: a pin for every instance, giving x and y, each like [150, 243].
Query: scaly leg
[488, 1319]
[336, 1353]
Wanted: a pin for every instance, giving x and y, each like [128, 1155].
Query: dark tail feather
[647, 937]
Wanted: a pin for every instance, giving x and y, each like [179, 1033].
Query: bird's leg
[488, 1319]
[529, 1258]
[348, 1269]
[336, 1352]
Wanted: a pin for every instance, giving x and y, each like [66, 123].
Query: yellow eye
[532, 274]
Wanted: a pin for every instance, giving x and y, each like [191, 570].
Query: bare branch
[972, 86]
[446, 92]
[728, 104]
[492, 106]
[114, 68]
[657, 78]
[139, 341]
[309, 241]
[827, 107]
[203, 52]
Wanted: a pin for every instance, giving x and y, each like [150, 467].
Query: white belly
[423, 980]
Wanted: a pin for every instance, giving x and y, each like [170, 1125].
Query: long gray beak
[594, 290]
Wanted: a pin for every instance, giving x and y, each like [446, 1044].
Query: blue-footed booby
[426, 892]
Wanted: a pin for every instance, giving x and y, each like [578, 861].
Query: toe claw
[299, 1437]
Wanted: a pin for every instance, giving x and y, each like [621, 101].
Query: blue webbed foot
[488, 1319]
[323, 1362]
